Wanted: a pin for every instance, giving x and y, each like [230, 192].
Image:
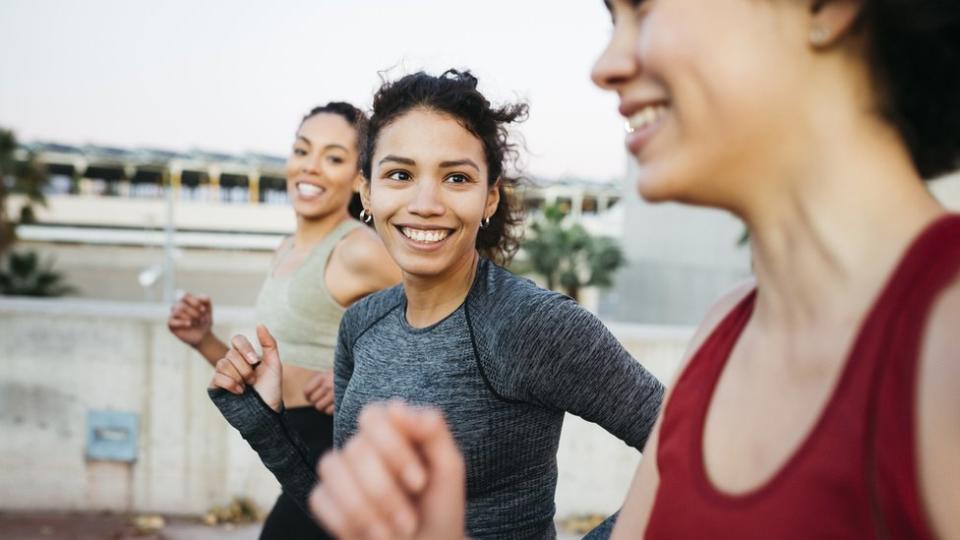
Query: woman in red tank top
[822, 400]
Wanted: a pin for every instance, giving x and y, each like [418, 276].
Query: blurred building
[117, 234]
[682, 258]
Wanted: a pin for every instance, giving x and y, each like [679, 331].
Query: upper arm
[367, 262]
[635, 513]
[939, 415]
[565, 358]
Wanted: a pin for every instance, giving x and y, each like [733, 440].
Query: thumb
[271, 356]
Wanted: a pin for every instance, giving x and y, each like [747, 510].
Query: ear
[832, 20]
[364, 190]
[358, 183]
[493, 199]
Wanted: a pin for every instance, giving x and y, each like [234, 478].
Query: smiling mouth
[424, 236]
[645, 117]
[309, 190]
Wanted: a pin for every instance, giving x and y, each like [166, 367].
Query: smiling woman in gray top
[501, 358]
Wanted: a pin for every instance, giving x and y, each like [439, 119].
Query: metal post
[169, 283]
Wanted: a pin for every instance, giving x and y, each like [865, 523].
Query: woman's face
[711, 92]
[322, 168]
[428, 192]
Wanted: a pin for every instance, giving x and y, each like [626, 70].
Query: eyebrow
[331, 145]
[459, 163]
[398, 159]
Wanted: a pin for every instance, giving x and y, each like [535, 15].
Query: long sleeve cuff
[270, 436]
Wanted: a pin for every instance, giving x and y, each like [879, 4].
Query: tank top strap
[929, 267]
[321, 253]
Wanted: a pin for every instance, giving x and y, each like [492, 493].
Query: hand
[242, 366]
[400, 476]
[191, 318]
[319, 391]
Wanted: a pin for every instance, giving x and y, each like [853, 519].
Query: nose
[310, 164]
[426, 200]
[617, 64]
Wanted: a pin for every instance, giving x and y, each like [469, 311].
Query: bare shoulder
[362, 252]
[939, 413]
[941, 344]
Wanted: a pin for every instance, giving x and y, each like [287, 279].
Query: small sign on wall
[112, 435]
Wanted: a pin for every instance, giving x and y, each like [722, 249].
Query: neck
[825, 240]
[431, 298]
[311, 231]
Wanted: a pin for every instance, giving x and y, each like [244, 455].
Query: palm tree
[24, 177]
[568, 256]
[25, 275]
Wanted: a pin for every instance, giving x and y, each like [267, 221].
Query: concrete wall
[61, 358]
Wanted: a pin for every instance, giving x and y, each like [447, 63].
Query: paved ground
[76, 526]
[70, 526]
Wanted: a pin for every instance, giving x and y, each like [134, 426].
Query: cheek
[384, 203]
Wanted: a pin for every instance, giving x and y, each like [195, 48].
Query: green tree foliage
[22, 273]
[17, 176]
[567, 256]
[25, 275]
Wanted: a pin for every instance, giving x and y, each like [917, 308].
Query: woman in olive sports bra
[327, 264]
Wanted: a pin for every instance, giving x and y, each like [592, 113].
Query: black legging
[287, 521]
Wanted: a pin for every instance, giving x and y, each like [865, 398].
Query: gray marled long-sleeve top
[503, 368]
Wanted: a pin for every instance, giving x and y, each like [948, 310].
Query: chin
[310, 211]
[418, 266]
[656, 188]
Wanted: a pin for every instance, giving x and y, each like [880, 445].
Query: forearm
[279, 447]
[211, 348]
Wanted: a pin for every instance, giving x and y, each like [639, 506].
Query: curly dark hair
[356, 118]
[914, 51]
[455, 93]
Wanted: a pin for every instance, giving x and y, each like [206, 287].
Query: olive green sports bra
[298, 310]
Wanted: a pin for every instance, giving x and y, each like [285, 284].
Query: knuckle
[326, 465]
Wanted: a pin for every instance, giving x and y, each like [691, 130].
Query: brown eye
[457, 179]
[401, 176]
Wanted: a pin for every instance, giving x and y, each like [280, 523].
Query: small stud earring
[819, 35]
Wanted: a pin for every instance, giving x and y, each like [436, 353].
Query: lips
[643, 120]
[424, 236]
[646, 117]
[307, 190]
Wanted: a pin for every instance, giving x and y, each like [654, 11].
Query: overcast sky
[234, 76]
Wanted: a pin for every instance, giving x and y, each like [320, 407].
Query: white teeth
[308, 190]
[427, 237]
[645, 117]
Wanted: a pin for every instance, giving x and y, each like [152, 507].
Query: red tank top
[856, 473]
